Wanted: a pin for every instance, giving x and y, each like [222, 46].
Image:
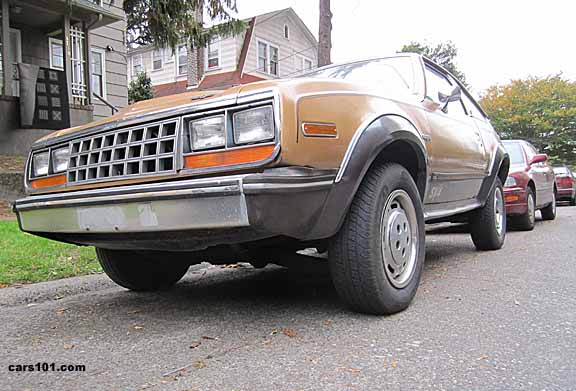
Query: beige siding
[168, 72]
[290, 51]
[116, 68]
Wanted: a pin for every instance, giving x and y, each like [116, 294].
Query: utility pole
[325, 34]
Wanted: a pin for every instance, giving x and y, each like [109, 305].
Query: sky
[497, 40]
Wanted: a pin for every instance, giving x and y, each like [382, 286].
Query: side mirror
[446, 99]
[539, 158]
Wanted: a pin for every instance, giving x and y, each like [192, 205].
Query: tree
[539, 110]
[165, 23]
[324, 33]
[443, 54]
[140, 88]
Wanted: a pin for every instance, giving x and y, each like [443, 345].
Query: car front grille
[120, 154]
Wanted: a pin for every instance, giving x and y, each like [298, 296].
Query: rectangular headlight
[40, 163]
[207, 133]
[60, 159]
[254, 125]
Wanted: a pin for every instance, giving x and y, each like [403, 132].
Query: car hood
[166, 104]
[517, 169]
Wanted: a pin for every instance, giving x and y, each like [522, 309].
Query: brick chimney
[196, 57]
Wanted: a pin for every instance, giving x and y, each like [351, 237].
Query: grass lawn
[26, 258]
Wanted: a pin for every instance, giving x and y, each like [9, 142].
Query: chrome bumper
[184, 205]
[264, 202]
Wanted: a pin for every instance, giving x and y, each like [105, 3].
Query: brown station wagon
[351, 159]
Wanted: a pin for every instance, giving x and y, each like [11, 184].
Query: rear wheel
[573, 201]
[377, 257]
[526, 221]
[488, 224]
[139, 270]
[549, 212]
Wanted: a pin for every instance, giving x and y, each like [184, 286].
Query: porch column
[88, 63]
[67, 55]
[6, 65]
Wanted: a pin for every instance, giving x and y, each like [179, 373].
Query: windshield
[393, 74]
[515, 152]
[561, 171]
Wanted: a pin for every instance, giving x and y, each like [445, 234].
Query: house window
[213, 54]
[56, 49]
[306, 64]
[268, 58]
[78, 81]
[157, 56]
[286, 32]
[99, 72]
[137, 65]
[182, 60]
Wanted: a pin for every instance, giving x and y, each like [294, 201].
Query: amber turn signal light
[228, 158]
[52, 181]
[319, 130]
[512, 198]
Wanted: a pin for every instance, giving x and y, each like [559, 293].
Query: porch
[49, 76]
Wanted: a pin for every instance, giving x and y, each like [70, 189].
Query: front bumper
[185, 214]
[565, 194]
[516, 203]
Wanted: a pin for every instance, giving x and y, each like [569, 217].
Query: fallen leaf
[208, 337]
[138, 327]
[199, 364]
[328, 323]
[289, 333]
[394, 364]
[195, 344]
[267, 342]
[61, 311]
[482, 357]
[68, 346]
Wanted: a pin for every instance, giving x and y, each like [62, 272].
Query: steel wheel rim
[531, 209]
[499, 211]
[399, 229]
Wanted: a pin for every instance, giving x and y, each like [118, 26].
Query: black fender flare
[500, 163]
[369, 140]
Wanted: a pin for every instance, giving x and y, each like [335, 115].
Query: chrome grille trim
[145, 150]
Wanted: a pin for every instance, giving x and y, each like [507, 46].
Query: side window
[471, 107]
[530, 151]
[437, 84]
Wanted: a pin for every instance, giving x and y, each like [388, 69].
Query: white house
[274, 45]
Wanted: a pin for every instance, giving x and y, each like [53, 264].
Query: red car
[566, 184]
[530, 186]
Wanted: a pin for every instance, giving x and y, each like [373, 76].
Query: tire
[549, 212]
[526, 221]
[573, 201]
[365, 255]
[488, 224]
[139, 271]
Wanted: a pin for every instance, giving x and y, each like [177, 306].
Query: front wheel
[488, 224]
[549, 212]
[526, 221]
[377, 257]
[139, 270]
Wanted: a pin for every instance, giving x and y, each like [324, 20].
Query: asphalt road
[502, 320]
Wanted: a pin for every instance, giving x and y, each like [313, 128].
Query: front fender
[369, 141]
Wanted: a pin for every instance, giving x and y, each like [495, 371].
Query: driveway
[481, 320]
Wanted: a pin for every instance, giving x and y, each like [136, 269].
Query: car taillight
[564, 181]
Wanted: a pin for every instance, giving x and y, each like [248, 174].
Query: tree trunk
[195, 57]
[325, 34]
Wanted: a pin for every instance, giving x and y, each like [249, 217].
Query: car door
[541, 176]
[455, 148]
